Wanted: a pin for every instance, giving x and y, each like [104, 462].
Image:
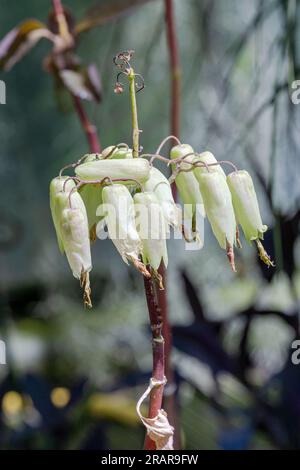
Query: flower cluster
[133, 199]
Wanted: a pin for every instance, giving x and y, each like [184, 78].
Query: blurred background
[72, 376]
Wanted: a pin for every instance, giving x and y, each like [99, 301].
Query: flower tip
[230, 256]
[85, 284]
[265, 258]
[140, 267]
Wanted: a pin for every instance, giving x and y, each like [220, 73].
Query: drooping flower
[57, 200]
[246, 205]
[247, 210]
[160, 186]
[118, 210]
[136, 169]
[71, 224]
[151, 226]
[219, 210]
[186, 181]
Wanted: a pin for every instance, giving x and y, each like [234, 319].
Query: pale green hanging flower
[136, 169]
[186, 182]
[208, 159]
[246, 205]
[71, 223]
[119, 213]
[92, 198]
[219, 210]
[57, 200]
[117, 153]
[151, 226]
[160, 186]
[247, 210]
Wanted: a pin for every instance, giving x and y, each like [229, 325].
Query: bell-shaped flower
[151, 226]
[247, 210]
[219, 210]
[186, 181]
[246, 205]
[71, 223]
[125, 170]
[118, 210]
[114, 152]
[160, 186]
[207, 158]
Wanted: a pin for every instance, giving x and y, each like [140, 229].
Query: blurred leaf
[84, 83]
[20, 40]
[114, 406]
[105, 12]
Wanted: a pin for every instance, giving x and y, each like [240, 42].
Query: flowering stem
[158, 355]
[89, 129]
[155, 316]
[135, 125]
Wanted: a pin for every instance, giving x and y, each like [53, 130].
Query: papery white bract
[151, 226]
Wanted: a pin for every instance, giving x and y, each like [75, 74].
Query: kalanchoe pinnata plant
[123, 190]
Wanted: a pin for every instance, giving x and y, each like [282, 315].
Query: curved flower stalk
[130, 169]
[151, 226]
[207, 158]
[71, 223]
[185, 181]
[160, 186]
[115, 152]
[219, 210]
[247, 210]
[118, 211]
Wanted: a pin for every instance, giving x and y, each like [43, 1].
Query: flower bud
[118, 210]
[151, 226]
[117, 153]
[219, 210]
[245, 204]
[56, 199]
[160, 186]
[132, 169]
[186, 182]
[208, 159]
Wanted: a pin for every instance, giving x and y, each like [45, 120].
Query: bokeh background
[73, 376]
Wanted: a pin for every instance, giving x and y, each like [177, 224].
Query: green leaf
[20, 40]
